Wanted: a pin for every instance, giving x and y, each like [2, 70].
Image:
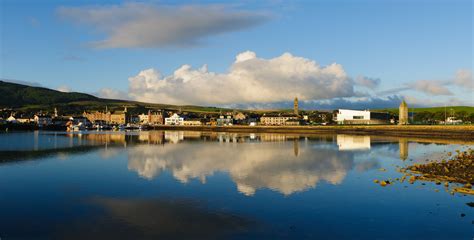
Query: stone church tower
[295, 106]
[403, 114]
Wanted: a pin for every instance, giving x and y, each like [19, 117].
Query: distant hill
[17, 95]
[448, 109]
[29, 98]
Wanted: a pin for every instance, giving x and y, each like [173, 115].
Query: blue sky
[418, 50]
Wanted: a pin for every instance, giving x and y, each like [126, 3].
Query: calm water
[149, 185]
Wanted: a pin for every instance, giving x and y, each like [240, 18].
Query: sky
[249, 54]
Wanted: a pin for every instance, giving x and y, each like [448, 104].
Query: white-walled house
[175, 119]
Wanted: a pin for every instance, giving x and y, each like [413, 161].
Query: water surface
[174, 184]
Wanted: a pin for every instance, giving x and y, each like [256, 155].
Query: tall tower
[55, 112]
[295, 106]
[403, 114]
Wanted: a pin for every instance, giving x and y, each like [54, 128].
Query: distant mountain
[30, 98]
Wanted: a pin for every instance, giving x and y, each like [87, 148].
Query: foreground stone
[458, 169]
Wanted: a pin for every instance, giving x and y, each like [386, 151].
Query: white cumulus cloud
[250, 79]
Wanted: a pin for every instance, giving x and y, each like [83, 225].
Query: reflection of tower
[403, 114]
[295, 106]
[403, 147]
[296, 147]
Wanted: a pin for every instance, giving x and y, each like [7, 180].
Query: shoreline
[456, 131]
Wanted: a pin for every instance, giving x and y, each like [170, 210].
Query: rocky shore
[457, 169]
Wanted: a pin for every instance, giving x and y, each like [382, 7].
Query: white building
[12, 119]
[453, 120]
[175, 119]
[346, 116]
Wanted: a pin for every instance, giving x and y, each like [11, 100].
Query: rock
[446, 184]
[382, 169]
[470, 204]
[383, 183]
[376, 181]
[468, 185]
[463, 215]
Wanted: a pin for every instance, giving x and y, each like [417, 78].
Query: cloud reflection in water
[284, 166]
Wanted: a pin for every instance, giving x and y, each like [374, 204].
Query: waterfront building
[403, 113]
[11, 119]
[152, 118]
[175, 119]
[224, 120]
[347, 116]
[119, 117]
[116, 117]
[277, 119]
[42, 120]
[192, 122]
[24, 120]
[239, 116]
[453, 121]
[292, 122]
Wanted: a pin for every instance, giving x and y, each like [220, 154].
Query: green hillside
[448, 109]
[29, 99]
[16, 95]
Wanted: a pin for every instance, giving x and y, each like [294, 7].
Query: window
[358, 117]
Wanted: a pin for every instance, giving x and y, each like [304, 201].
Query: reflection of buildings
[353, 142]
[174, 137]
[403, 145]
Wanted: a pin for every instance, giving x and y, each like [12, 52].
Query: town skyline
[369, 54]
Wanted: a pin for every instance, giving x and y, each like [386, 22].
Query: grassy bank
[460, 132]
